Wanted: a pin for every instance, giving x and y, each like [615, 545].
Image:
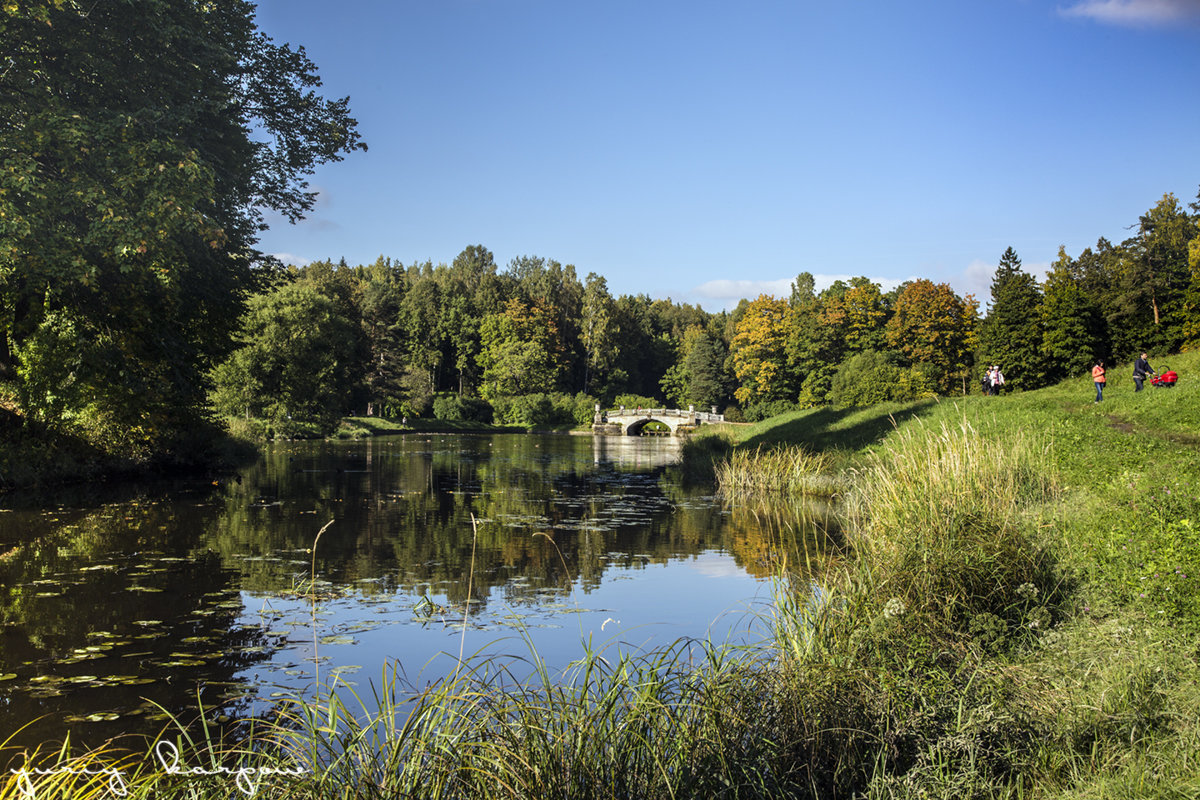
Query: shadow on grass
[829, 428]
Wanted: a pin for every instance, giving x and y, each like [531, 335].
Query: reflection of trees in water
[102, 612]
[403, 509]
[549, 514]
[796, 536]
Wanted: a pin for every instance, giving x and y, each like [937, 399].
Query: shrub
[734, 414]
[870, 377]
[545, 409]
[452, 407]
[757, 412]
[636, 401]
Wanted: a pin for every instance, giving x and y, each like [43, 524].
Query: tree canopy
[142, 141]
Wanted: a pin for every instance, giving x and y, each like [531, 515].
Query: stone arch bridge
[630, 421]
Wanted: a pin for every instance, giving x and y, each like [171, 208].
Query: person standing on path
[1140, 368]
[1098, 379]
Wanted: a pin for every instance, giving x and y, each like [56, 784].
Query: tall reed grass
[784, 471]
[941, 537]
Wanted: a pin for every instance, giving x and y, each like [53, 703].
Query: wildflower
[1027, 591]
[894, 608]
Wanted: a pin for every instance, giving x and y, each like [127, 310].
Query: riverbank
[362, 427]
[1016, 615]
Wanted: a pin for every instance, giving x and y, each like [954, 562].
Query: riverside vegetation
[1015, 614]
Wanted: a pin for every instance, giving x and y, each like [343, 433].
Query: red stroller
[1165, 379]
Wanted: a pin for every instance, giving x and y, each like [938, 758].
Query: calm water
[116, 602]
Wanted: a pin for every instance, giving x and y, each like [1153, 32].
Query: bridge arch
[631, 421]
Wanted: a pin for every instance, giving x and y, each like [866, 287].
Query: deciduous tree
[933, 325]
[142, 142]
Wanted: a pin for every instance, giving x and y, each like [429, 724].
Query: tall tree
[518, 351]
[1011, 335]
[296, 360]
[1072, 336]
[379, 294]
[598, 330]
[143, 140]
[759, 352]
[932, 325]
[1154, 278]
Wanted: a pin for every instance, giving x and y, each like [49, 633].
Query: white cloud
[976, 279]
[295, 261]
[1136, 13]
[728, 293]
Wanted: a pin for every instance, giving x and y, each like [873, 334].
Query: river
[122, 607]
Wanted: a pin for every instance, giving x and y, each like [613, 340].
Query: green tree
[814, 346]
[1071, 331]
[698, 378]
[1191, 325]
[379, 296]
[599, 331]
[1011, 335]
[296, 359]
[1153, 280]
[517, 351]
[143, 141]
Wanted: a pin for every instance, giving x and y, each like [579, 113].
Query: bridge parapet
[630, 421]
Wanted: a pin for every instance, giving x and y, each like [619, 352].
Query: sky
[709, 151]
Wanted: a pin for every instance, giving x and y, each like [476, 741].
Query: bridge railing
[700, 416]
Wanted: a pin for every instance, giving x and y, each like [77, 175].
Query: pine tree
[1011, 335]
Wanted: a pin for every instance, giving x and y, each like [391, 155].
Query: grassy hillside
[1075, 585]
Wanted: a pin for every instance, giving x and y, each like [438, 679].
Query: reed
[785, 471]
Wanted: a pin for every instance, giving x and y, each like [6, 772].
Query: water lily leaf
[338, 639]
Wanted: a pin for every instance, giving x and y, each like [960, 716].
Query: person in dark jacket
[1141, 367]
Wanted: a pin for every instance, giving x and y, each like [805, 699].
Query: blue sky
[709, 151]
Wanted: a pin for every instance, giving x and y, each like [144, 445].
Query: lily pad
[338, 639]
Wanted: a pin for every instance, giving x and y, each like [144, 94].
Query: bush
[757, 412]
[636, 401]
[451, 407]
[545, 409]
[870, 377]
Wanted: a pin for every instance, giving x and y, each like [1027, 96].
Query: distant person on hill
[1140, 368]
[995, 379]
[1098, 379]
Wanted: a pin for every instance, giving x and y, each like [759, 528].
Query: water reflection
[113, 606]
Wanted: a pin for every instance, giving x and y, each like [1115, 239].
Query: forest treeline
[134, 302]
[532, 343]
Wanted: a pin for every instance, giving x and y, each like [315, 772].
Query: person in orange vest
[1098, 379]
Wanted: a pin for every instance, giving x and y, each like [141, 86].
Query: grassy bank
[1017, 615]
